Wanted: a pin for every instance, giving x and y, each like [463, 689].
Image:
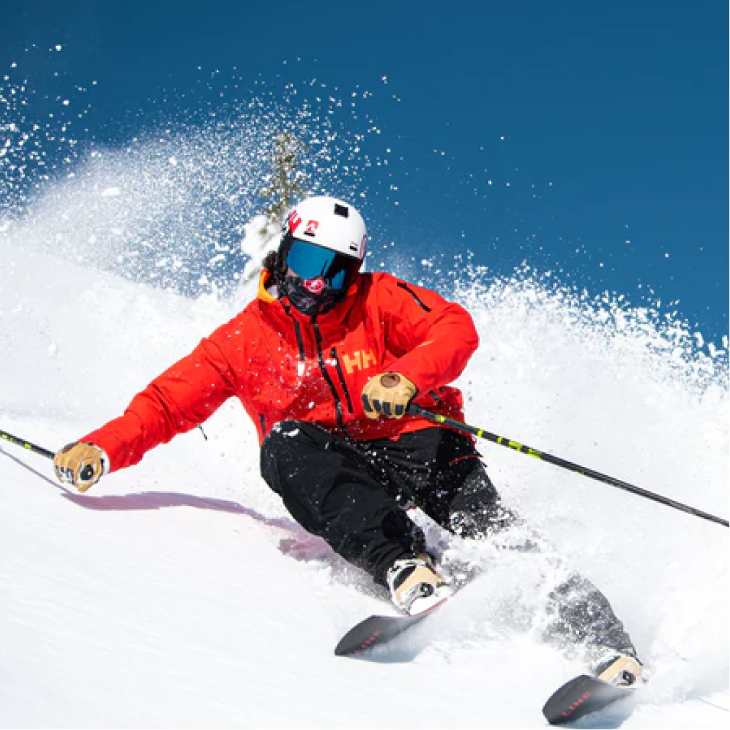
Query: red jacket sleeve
[177, 401]
[437, 337]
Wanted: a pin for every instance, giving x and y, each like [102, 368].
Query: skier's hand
[80, 464]
[388, 394]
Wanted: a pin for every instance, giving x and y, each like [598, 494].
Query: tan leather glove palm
[388, 394]
[80, 464]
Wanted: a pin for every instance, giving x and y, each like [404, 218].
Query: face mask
[311, 296]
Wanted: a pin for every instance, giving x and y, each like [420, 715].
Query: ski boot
[415, 584]
[621, 669]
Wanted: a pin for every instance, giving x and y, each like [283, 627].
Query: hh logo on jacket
[359, 360]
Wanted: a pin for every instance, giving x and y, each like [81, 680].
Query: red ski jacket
[282, 365]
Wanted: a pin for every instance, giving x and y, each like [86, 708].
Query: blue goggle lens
[309, 261]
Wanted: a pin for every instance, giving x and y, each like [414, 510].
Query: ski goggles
[309, 261]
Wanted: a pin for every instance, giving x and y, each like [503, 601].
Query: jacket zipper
[343, 384]
[328, 379]
[322, 365]
[300, 338]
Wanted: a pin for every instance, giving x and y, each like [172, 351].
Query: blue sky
[582, 137]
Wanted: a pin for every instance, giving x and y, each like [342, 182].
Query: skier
[325, 361]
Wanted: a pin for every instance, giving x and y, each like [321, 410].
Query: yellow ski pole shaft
[5, 436]
[416, 410]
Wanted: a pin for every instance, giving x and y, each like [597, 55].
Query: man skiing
[325, 361]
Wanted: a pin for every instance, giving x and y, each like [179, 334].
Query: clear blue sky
[601, 125]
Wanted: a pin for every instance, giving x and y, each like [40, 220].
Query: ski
[378, 630]
[581, 696]
[575, 699]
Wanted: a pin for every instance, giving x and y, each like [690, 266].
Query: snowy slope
[180, 593]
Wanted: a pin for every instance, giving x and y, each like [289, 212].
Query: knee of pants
[476, 509]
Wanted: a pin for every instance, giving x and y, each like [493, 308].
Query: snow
[180, 593]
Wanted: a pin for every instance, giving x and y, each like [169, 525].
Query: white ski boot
[415, 585]
[621, 670]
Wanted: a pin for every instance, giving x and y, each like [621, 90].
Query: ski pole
[86, 472]
[416, 410]
[5, 436]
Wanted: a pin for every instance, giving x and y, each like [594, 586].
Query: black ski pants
[354, 494]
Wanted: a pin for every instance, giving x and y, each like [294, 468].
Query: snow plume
[38, 134]
[169, 204]
[631, 393]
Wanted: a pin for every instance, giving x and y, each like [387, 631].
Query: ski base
[379, 630]
[580, 697]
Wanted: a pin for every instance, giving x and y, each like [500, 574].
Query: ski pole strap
[416, 410]
[5, 436]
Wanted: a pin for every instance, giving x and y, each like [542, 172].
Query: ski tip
[377, 630]
[582, 696]
[359, 638]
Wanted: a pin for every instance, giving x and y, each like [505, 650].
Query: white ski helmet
[323, 238]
